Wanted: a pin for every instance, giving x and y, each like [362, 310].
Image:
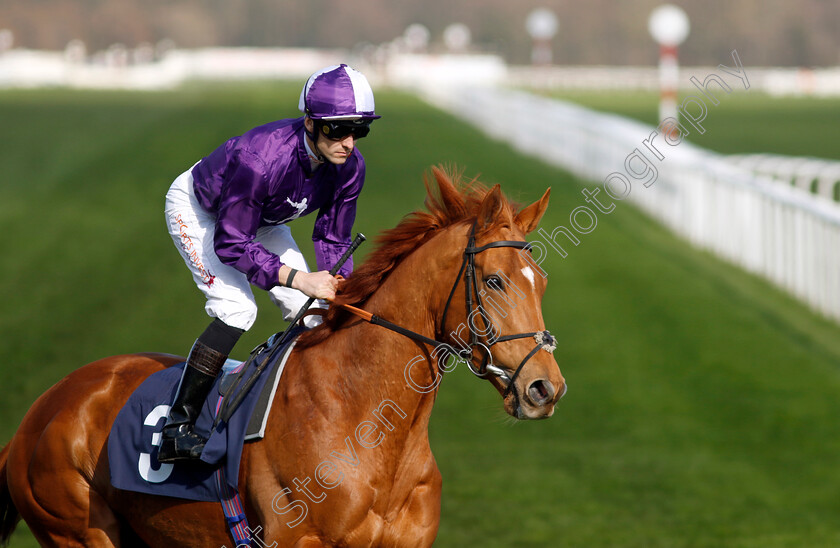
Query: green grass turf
[703, 404]
[744, 122]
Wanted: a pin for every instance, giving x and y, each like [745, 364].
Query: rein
[544, 339]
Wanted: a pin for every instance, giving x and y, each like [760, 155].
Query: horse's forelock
[447, 202]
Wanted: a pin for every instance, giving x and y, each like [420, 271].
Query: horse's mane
[452, 200]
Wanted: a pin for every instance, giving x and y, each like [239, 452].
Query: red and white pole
[542, 26]
[669, 26]
[669, 79]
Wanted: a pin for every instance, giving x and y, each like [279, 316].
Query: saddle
[236, 411]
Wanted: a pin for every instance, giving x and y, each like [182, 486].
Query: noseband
[544, 339]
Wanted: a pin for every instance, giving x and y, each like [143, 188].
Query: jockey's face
[335, 151]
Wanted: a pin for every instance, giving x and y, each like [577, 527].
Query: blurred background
[128, 33]
[592, 33]
[697, 320]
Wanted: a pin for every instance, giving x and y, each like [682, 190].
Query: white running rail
[815, 175]
[781, 232]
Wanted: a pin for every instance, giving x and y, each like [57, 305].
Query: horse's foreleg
[418, 521]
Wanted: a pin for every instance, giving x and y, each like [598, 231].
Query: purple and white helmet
[337, 92]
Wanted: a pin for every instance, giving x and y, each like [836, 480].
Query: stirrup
[184, 444]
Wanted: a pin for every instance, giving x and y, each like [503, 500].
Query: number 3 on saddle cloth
[135, 435]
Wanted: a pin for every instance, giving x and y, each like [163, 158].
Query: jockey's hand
[319, 285]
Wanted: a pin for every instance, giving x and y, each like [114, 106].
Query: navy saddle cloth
[135, 435]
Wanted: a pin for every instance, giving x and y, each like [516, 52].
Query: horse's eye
[494, 282]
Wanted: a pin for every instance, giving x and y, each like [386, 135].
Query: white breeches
[228, 292]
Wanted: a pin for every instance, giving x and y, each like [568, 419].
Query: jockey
[228, 217]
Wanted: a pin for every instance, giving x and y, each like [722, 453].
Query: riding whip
[276, 342]
[357, 241]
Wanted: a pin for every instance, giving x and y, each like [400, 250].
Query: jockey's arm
[319, 285]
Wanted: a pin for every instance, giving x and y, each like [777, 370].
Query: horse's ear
[492, 208]
[529, 218]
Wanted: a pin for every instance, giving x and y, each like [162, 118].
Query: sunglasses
[340, 129]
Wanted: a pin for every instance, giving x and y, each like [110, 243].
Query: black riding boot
[179, 441]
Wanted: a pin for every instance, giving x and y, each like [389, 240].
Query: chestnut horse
[345, 460]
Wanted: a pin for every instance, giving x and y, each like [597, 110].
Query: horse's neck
[347, 400]
[370, 363]
[410, 297]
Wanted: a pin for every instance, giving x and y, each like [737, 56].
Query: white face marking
[528, 273]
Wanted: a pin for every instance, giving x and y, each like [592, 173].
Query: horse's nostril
[540, 392]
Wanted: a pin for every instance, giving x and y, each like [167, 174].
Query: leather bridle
[544, 339]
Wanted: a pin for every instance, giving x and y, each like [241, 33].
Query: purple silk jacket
[264, 178]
